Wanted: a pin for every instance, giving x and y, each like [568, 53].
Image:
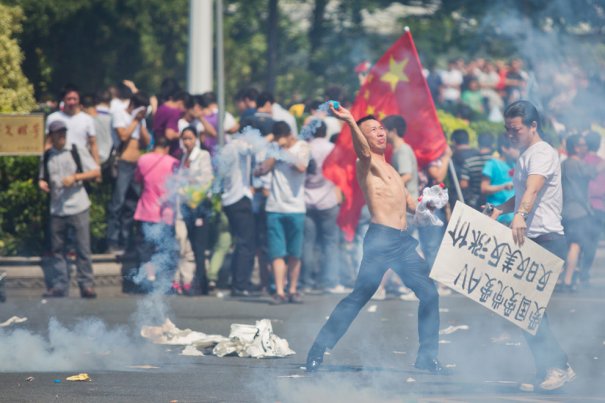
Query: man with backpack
[63, 170]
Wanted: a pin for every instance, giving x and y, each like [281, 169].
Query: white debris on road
[372, 308]
[192, 351]
[257, 341]
[12, 320]
[452, 329]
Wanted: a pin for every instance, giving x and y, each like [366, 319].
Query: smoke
[89, 344]
[564, 65]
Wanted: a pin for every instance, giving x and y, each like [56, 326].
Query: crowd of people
[273, 213]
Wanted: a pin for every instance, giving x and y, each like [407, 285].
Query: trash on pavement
[192, 351]
[13, 320]
[256, 341]
[83, 377]
[410, 380]
[29, 379]
[452, 329]
[168, 333]
[372, 308]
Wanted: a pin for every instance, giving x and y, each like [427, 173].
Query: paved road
[372, 363]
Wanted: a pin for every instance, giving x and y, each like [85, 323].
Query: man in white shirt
[235, 169]
[286, 208]
[80, 126]
[537, 204]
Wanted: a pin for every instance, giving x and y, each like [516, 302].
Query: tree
[16, 93]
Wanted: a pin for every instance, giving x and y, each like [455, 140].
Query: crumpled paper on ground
[12, 320]
[257, 341]
[168, 333]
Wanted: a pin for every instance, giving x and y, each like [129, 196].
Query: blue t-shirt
[500, 172]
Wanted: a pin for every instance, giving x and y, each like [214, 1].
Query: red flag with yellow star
[395, 85]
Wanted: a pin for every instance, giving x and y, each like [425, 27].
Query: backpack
[74, 154]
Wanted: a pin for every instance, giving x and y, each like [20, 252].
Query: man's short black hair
[395, 122]
[185, 97]
[139, 99]
[124, 91]
[593, 141]
[281, 129]
[208, 98]
[67, 88]
[263, 98]
[571, 143]
[526, 111]
[485, 140]
[365, 118]
[321, 130]
[250, 93]
[88, 101]
[460, 136]
[103, 97]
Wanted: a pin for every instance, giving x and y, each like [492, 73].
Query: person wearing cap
[63, 169]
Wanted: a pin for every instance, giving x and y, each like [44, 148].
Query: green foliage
[16, 94]
[23, 207]
[485, 126]
[449, 123]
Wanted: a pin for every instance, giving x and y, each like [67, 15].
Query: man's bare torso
[384, 192]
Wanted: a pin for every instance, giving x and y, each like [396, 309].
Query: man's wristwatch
[522, 214]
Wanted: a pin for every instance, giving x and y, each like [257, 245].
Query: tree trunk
[316, 34]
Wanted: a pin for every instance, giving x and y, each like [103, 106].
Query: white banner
[479, 259]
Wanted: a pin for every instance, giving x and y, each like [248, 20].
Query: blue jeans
[321, 228]
[383, 248]
[430, 238]
[544, 346]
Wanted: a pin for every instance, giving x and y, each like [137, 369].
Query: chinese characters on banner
[22, 134]
[479, 259]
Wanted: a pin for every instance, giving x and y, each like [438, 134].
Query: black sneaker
[432, 365]
[279, 300]
[315, 357]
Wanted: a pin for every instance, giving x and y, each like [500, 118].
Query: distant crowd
[269, 227]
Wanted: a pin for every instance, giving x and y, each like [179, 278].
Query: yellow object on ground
[79, 377]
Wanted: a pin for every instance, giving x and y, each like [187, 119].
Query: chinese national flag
[394, 86]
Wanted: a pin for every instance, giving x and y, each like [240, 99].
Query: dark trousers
[383, 248]
[57, 273]
[120, 212]
[241, 225]
[321, 228]
[544, 346]
[198, 233]
[590, 249]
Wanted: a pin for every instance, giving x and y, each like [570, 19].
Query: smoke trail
[308, 132]
[89, 344]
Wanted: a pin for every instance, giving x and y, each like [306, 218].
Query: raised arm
[360, 143]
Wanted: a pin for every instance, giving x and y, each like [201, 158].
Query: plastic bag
[435, 197]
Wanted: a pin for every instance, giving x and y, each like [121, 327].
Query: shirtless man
[387, 244]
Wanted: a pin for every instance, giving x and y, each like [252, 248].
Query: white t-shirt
[235, 161]
[287, 192]
[123, 119]
[279, 113]
[118, 104]
[452, 78]
[541, 159]
[79, 127]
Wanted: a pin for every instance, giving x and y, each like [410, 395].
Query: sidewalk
[25, 276]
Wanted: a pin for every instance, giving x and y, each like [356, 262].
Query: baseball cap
[57, 126]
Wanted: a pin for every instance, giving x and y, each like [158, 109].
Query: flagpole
[451, 164]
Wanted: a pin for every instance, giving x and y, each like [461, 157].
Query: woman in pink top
[158, 250]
